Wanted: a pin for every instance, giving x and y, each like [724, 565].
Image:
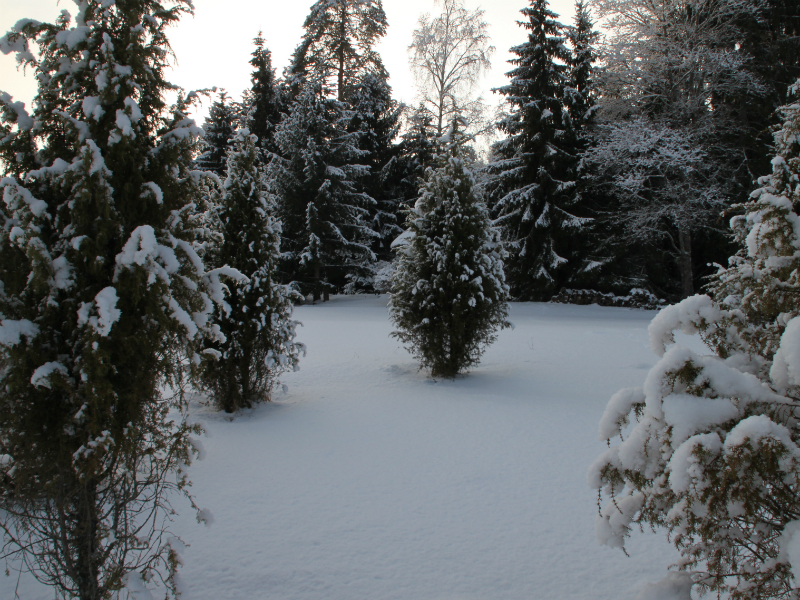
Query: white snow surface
[675, 586]
[368, 479]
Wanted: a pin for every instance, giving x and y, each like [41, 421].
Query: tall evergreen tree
[104, 300]
[449, 294]
[375, 116]
[581, 89]
[580, 97]
[256, 321]
[533, 178]
[263, 102]
[338, 48]
[218, 133]
[319, 181]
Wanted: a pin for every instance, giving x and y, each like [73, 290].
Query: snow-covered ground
[367, 480]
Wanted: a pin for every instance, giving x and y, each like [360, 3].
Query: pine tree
[714, 455]
[337, 49]
[103, 297]
[263, 101]
[449, 294]
[318, 181]
[219, 128]
[533, 178]
[256, 322]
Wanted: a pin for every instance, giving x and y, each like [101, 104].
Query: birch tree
[448, 55]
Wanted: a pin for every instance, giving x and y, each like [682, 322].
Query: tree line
[621, 155]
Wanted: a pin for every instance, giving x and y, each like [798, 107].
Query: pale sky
[213, 47]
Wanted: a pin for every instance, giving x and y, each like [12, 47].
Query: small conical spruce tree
[449, 294]
[256, 321]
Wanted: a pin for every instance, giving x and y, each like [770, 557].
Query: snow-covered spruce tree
[580, 94]
[713, 455]
[338, 48]
[218, 132]
[103, 298]
[419, 147]
[375, 116]
[448, 292]
[532, 184]
[256, 322]
[263, 102]
[318, 183]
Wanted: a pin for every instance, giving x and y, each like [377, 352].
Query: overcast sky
[213, 47]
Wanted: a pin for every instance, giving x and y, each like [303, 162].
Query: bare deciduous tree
[448, 55]
[666, 186]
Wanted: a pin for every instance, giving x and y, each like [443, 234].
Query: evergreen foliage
[263, 101]
[218, 133]
[419, 147]
[319, 181]
[580, 94]
[770, 36]
[104, 300]
[337, 49]
[375, 116]
[713, 455]
[533, 185]
[449, 294]
[256, 321]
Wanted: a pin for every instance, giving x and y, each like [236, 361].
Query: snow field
[369, 480]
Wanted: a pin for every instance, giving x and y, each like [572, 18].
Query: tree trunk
[685, 260]
[316, 284]
[342, 36]
[88, 572]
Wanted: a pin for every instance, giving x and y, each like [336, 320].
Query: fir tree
[218, 133]
[533, 178]
[337, 49]
[263, 101]
[256, 322]
[449, 295]
[319, 181]
[713, 455]
[103, 297]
